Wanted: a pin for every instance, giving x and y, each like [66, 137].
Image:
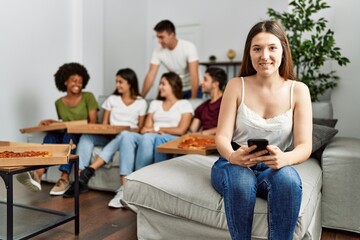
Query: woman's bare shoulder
[301, 93]
[236, 81]
[300, 87]
[233, 90]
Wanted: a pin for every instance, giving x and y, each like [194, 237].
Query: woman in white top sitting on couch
[263, 103]
[124, 107]
[168, 114]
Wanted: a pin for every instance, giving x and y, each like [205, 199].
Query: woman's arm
[93, 116]
[141, 121]
[227, 116]
[302, 125]
[181, 129]
[149, 124]
[106, 117]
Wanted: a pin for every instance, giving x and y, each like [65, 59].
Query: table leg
[8, 180]
[76, 197]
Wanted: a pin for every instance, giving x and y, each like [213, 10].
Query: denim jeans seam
[228, 204]
[268, 208]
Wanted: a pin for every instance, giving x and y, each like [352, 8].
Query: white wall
[93, 43]
[344, 20]
[125, 38]
[36, 38]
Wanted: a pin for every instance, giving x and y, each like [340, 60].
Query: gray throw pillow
[321, 137]
[325, 121]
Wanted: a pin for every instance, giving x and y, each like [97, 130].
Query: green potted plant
[312, 44]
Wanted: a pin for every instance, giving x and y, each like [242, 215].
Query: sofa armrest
[341, 181]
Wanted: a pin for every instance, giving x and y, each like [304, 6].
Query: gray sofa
[175, 200]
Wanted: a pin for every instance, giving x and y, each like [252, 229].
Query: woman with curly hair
[75, 105]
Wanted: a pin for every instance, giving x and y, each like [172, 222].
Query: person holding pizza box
[206, 115]
[125, 107]
[71, 78]
[168, 114]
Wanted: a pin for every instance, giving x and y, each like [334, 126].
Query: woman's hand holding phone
[243, 155]
[271, 155]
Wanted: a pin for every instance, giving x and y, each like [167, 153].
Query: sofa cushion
[181, 187]
[322, 109]
[317, 151]
[322, 136]
[329, 122]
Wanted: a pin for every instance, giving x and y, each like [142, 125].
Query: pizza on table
[196, 143]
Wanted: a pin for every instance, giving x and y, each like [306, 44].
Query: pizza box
[172, 146]
[93, 128]
[52, 126]
[59, 154]
[7, 143]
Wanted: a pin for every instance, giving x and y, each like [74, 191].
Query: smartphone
[261, 144]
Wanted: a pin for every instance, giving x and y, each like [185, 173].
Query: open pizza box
[172, 146]
[59, 154]
[53, 126]
[96, 129]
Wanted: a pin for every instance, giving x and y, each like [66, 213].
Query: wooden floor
[97, 221]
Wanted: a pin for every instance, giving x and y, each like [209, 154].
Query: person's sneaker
[86, 174]
[83, 188]
[30, 180]
[115, 202]
[60, 187]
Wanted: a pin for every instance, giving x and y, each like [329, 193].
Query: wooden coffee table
[53, 218]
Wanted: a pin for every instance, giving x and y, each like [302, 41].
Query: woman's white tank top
[249, 124]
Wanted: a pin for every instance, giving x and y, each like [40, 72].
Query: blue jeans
[187, 94]
[137, 151]
[62, 138]
[240, 186]
[160, 139]
[89, 141]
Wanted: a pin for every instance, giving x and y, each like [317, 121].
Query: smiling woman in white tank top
[276, 129]
[263, 103]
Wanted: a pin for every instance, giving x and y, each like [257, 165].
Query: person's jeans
[187, 94]
[62, 138]
[160, 139]
[240, 186]
[89, 141]
[136, 151]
